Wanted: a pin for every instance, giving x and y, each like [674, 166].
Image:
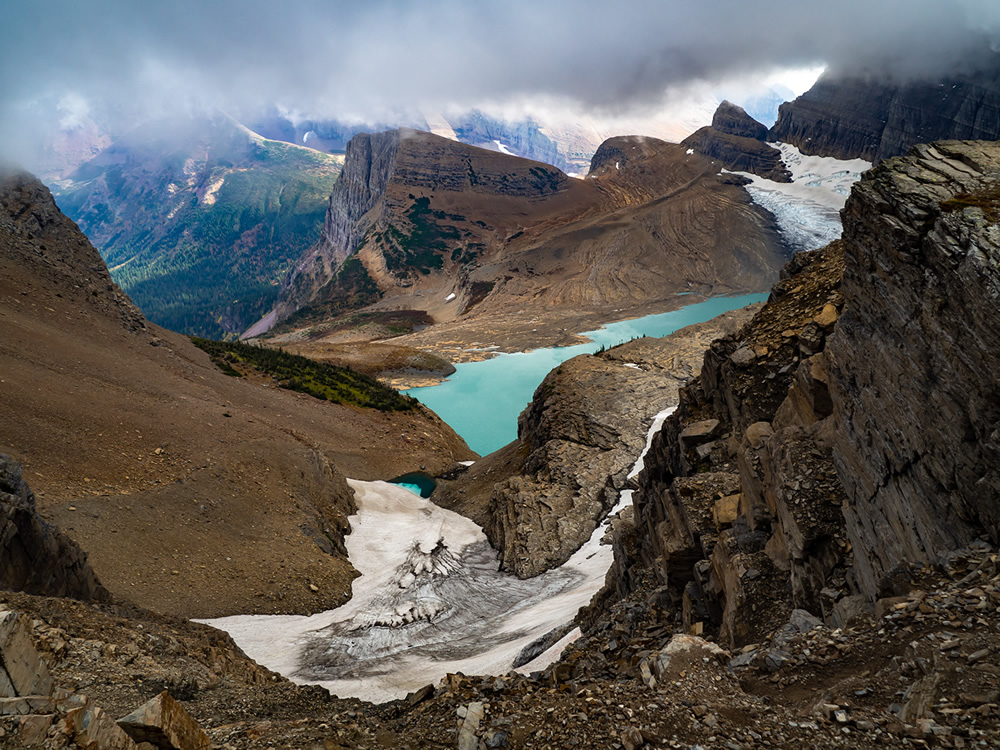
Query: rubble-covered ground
[923, 672]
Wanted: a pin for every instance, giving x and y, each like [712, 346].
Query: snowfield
[808, 208]
[430, 600]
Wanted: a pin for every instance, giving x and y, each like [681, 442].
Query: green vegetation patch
[327, 382]
[201, 229]
[420, 250]
[350, 289]
[987, 200]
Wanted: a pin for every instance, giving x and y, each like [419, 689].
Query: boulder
[22, 670]
[163, 723]
[36, 557]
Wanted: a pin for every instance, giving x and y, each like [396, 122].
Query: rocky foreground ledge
[848, 435]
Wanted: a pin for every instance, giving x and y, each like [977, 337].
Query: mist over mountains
[119, 63]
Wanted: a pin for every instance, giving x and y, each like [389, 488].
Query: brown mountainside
[416, 218]
[822, 506]
[193, 492]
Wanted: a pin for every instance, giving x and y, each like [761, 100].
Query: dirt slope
[467, 236]
[194, 493]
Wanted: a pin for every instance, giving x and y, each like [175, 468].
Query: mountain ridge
[871, 118]
[200, 222]
[459, 233]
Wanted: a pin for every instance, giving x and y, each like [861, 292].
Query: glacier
[807, 209]
[430, 600]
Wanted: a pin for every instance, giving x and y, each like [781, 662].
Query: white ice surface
[808, 208]
[417, 558]
[503, 149]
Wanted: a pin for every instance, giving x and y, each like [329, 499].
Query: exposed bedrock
[737, 141]
[36, 557]
[850, 433]
[541, 497]
[916, 357]
[851, 118]
[368, 166]
[738, 510]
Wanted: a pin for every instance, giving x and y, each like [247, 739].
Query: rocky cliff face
[523, 137]
[871, 119]
[915, 359]
[454, 231]
[36, 557]
[368, 166]
[847, 435]
[737, 141]
[542, 496]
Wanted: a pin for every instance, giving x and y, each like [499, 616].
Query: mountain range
[421, 222]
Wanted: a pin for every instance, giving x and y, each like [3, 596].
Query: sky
[121, 60]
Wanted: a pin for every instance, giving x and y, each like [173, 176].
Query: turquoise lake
[482, 400]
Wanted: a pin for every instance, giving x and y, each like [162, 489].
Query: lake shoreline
[482, 399]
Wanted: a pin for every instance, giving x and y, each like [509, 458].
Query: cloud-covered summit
[364, 60]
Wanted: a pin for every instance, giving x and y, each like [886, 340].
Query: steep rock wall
[850, 433]
[541, 497]
[737, 141]
[368, 167]
[35, 557]
[916, 356]
[866, 118]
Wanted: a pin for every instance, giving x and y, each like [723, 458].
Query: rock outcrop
[36, 557]
[542, 496]
[847, 435]
[873, 119]
[34, 712]
[738, 141]
[421, 222]
[915, 360]
[39, 237]
[738, 505]
[368, 166]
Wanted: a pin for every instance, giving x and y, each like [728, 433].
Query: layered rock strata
[541, 497]
[424, 223]
[872, 119]
[737, 141]
[916, 357]
[848, 434]
[36, 557]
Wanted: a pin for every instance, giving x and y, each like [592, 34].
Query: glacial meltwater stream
[431, 599]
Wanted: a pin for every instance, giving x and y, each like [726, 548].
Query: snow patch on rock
[808, 208]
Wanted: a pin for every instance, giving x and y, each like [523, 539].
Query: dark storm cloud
[336, 58]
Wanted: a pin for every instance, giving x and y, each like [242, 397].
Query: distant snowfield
[808, 209]
[430, 600]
